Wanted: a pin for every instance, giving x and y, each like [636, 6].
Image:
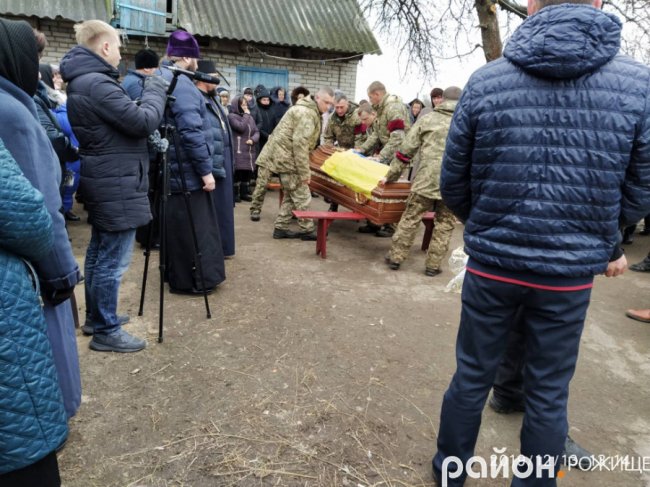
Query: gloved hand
[53, 296]
[157, 143]
[157, 83]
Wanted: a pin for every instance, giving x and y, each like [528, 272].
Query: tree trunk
[489, 24]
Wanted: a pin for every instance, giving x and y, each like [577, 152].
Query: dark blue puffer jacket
[133, 83]
[218, 127]
[32, 418]
[190, 117]
[549, 148]
[112, 131]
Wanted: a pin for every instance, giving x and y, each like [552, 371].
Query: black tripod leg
[147, 248]
[162, 226]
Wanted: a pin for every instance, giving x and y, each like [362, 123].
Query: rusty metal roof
[334, 25]
[51, 9]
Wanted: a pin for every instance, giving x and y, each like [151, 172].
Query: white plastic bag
[457, 263]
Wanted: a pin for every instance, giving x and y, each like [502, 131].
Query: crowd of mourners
[546, 194]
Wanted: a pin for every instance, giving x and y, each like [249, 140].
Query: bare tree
[429, 33]
[636, 30]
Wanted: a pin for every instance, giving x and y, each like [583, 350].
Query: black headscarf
[47, 75]
[19, 55]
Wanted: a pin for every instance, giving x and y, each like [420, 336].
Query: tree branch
[514, 8]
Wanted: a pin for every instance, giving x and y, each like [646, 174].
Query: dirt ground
[328, 372]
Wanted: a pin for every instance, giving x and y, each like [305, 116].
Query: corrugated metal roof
[68, 9]
[334, 25]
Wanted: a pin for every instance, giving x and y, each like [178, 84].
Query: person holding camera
[112, 133]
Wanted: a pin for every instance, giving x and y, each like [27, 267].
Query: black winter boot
[243, 192]
[237, 193]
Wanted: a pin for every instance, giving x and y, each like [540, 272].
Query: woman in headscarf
[245, 137]
[27, 142]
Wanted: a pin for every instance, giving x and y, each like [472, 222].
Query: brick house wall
[226, 54]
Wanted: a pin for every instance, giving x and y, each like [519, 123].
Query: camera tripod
[160, 191]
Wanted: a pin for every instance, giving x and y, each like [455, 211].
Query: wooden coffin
[385, 206]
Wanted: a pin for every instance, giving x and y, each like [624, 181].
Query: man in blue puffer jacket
[547, 156]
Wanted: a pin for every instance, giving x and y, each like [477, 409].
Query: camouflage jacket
[391, 124]
[344, 131]
[365, 132]
[288, 147]
[428, 136]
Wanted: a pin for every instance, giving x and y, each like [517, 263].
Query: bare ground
[329, 372]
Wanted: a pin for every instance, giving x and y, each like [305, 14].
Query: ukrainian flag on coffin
[354, 171]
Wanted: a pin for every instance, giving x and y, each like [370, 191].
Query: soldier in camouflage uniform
[367, 117]
[428, 136]
[344, 127]
[287, 154]
[263, 177]
[391, 123]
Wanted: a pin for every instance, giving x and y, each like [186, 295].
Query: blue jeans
[552, 324]
[68, 191]
[107, 258]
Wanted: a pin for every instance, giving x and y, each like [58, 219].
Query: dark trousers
[509, 380]
[43, 473]
[552, 322]
[243, 176]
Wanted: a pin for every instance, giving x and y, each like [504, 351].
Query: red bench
[325, 218]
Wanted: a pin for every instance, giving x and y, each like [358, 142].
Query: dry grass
[294, 437]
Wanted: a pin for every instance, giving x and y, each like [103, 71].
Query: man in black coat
[112, 131]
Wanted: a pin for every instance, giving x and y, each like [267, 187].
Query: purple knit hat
[183, 44]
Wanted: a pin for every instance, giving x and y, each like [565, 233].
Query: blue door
[248, 77]
[141, 17]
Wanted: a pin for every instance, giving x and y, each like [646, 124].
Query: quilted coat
[220, 129]
[549, 147]
[58, 270]
[32, 418]
[133, 84]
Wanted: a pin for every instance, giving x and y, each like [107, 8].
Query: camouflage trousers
[408, 226]
[297, 196]
[263, 176]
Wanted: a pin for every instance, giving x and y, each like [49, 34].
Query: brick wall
[227, 55]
